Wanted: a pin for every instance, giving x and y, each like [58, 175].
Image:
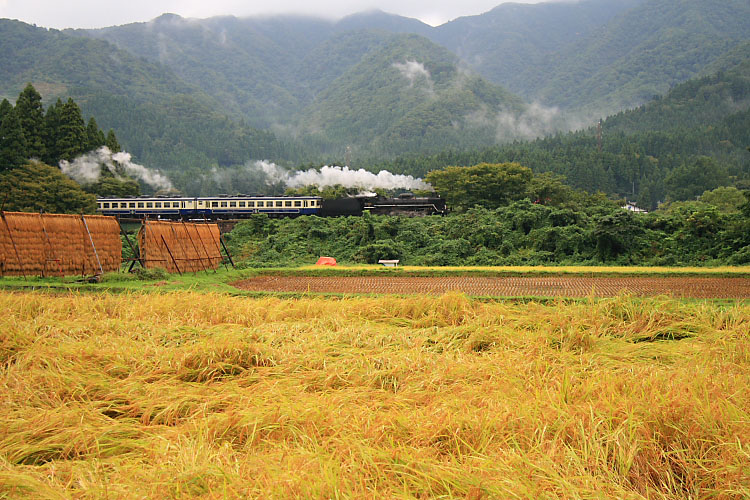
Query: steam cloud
[87, 168]
[344, 176]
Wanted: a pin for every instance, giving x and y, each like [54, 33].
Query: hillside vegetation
[407, 96]
[598, 56]
[693, 139]
[569, 229]
[164, 122]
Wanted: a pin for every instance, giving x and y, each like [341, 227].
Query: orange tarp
[326, 261]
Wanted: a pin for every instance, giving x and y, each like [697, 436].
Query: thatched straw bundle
[180, 246]
[54, 244]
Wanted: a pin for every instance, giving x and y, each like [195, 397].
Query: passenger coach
[210, 207]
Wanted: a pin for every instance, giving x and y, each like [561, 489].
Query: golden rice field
[197, 395]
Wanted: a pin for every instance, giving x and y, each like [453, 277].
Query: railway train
[238, 207]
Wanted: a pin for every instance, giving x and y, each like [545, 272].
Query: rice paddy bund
[197, 395]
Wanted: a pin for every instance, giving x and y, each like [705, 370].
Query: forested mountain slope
[514, 44]
[249, 65]
[408, 96]
[163, 121]
[643, 52]
[188, 95]
[329, 85]
[592, 56]
[693, 139]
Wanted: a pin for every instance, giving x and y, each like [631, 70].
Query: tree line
[27, 131]
[32, 139]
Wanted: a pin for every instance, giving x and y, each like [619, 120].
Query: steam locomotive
[238, 207]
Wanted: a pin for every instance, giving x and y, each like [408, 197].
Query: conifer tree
[5, 108]
[111, 142]
[12, 142]
[94, 136]
[31, 115]
[72, 140]
[51, 133]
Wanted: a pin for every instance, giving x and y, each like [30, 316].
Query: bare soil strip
[553, 286]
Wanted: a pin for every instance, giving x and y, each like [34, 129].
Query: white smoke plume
[344, 176]
[87, 168]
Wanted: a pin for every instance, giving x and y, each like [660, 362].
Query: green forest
[575, 228]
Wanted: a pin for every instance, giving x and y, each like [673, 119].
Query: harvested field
[188, 395]
[552, 286]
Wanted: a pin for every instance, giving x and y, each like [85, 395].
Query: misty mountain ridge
[202, 93]
[592, 56]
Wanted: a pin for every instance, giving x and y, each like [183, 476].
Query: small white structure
[631, 207]
[388, 263]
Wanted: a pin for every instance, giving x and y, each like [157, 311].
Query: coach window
[105, 205]
[223, 204]
[297, 203]
[149, 204]
[132, 204]
[251, 204]
[242, 204]
[288, 203]
[214, 204]
[279, 203]
[140, 204]
[157, 204]
[233, 204]
[261, 204]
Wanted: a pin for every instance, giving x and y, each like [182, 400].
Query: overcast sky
[99, 13]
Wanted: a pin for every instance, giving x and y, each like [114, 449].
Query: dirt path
[554, 286]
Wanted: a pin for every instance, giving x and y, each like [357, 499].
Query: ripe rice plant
[199, 395]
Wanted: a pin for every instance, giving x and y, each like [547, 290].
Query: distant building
[631, 207]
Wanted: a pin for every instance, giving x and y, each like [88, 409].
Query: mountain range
[188, 94]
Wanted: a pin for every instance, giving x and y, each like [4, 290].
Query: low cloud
[415, 72]
[535, 121]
